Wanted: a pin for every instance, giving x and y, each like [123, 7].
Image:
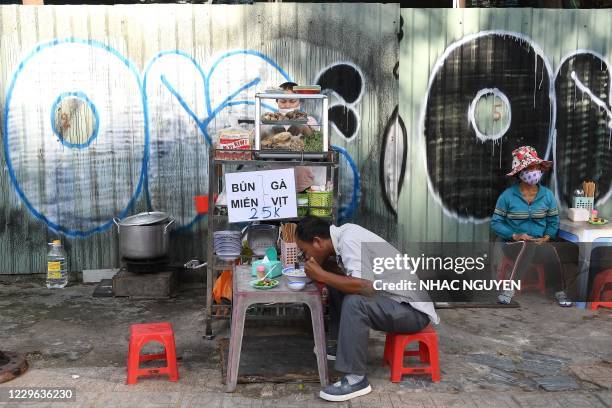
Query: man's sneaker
[505, 297]
[562, 299]
[343, 391]
[331, 352]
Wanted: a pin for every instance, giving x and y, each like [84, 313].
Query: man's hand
[539, 241]
[339, 281]
[313, 269]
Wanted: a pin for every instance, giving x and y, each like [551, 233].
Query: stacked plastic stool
[539, 284]
[395, 351]
[141, 334]
[602, 280]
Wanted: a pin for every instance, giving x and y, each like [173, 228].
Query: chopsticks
[266, 275]
[288, 232]
[589, 188]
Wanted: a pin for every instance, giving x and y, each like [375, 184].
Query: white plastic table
[587, 237]
[244, 296]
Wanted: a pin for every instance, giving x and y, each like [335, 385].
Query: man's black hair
[310, 227]
[287, 86]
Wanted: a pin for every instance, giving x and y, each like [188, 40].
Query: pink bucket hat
[524, 157]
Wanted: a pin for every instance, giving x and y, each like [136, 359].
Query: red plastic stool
[395, 351]
[601, 281]
[141, 334]
[540, 284]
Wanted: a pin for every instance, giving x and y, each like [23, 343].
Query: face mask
[531, 177]
[285, 111]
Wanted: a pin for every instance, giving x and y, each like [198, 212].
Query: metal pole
[257, 122]
[336, 185]
[210, 268]
[324, 122]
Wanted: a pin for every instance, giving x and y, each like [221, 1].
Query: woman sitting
[526, 216]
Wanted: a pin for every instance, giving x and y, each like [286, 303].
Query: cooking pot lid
[146, 218]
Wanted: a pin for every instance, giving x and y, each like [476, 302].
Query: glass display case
[295, 134]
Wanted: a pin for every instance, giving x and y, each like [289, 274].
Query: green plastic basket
[320, 199]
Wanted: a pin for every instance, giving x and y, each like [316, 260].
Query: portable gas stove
[145, 278]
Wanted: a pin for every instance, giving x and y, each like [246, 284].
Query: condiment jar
[261, 271]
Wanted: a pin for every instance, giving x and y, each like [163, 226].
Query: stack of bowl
[227, 244]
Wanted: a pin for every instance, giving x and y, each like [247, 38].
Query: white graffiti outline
[439, 63]
[397, 131]
[595, 99]
[472, 117]
[566, 57]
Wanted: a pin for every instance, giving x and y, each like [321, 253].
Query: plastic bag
[304, 178]
[223, 287]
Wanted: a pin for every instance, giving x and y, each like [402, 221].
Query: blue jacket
[513, 215]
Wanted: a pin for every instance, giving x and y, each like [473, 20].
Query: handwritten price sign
[261, 195]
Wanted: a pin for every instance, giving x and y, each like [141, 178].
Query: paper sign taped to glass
[261, 195]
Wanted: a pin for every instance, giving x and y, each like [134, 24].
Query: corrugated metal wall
[446, 57]
[107, 110]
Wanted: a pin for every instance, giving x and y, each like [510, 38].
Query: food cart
[238, 158]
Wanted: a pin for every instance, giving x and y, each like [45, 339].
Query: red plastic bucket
[201, 203]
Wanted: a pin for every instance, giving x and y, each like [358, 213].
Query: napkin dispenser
[270, 262]
[277, 268]
[578, 214]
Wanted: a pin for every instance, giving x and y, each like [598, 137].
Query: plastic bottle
[57, 266]
[261, 271]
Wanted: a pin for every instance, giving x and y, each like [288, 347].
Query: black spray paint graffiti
[344, 79]
[393, 158]
[346, 82]
[400, 37]
[467, 167]
[567, 117]
[344, 119]
[583, 125]
[400, 33]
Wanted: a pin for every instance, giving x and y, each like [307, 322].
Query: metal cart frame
[217, 220]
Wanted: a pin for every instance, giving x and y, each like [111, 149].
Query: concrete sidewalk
[199, 387]
[537, 356]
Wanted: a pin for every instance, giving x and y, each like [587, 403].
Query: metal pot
[143, 236]
[146, 218]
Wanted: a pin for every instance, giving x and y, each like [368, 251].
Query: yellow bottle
[57, 266]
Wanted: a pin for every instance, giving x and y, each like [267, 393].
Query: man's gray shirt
[356, 256]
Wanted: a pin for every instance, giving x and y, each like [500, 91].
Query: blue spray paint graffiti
[54, 225]
[347, 211]
[201, 122]
[94, 110]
